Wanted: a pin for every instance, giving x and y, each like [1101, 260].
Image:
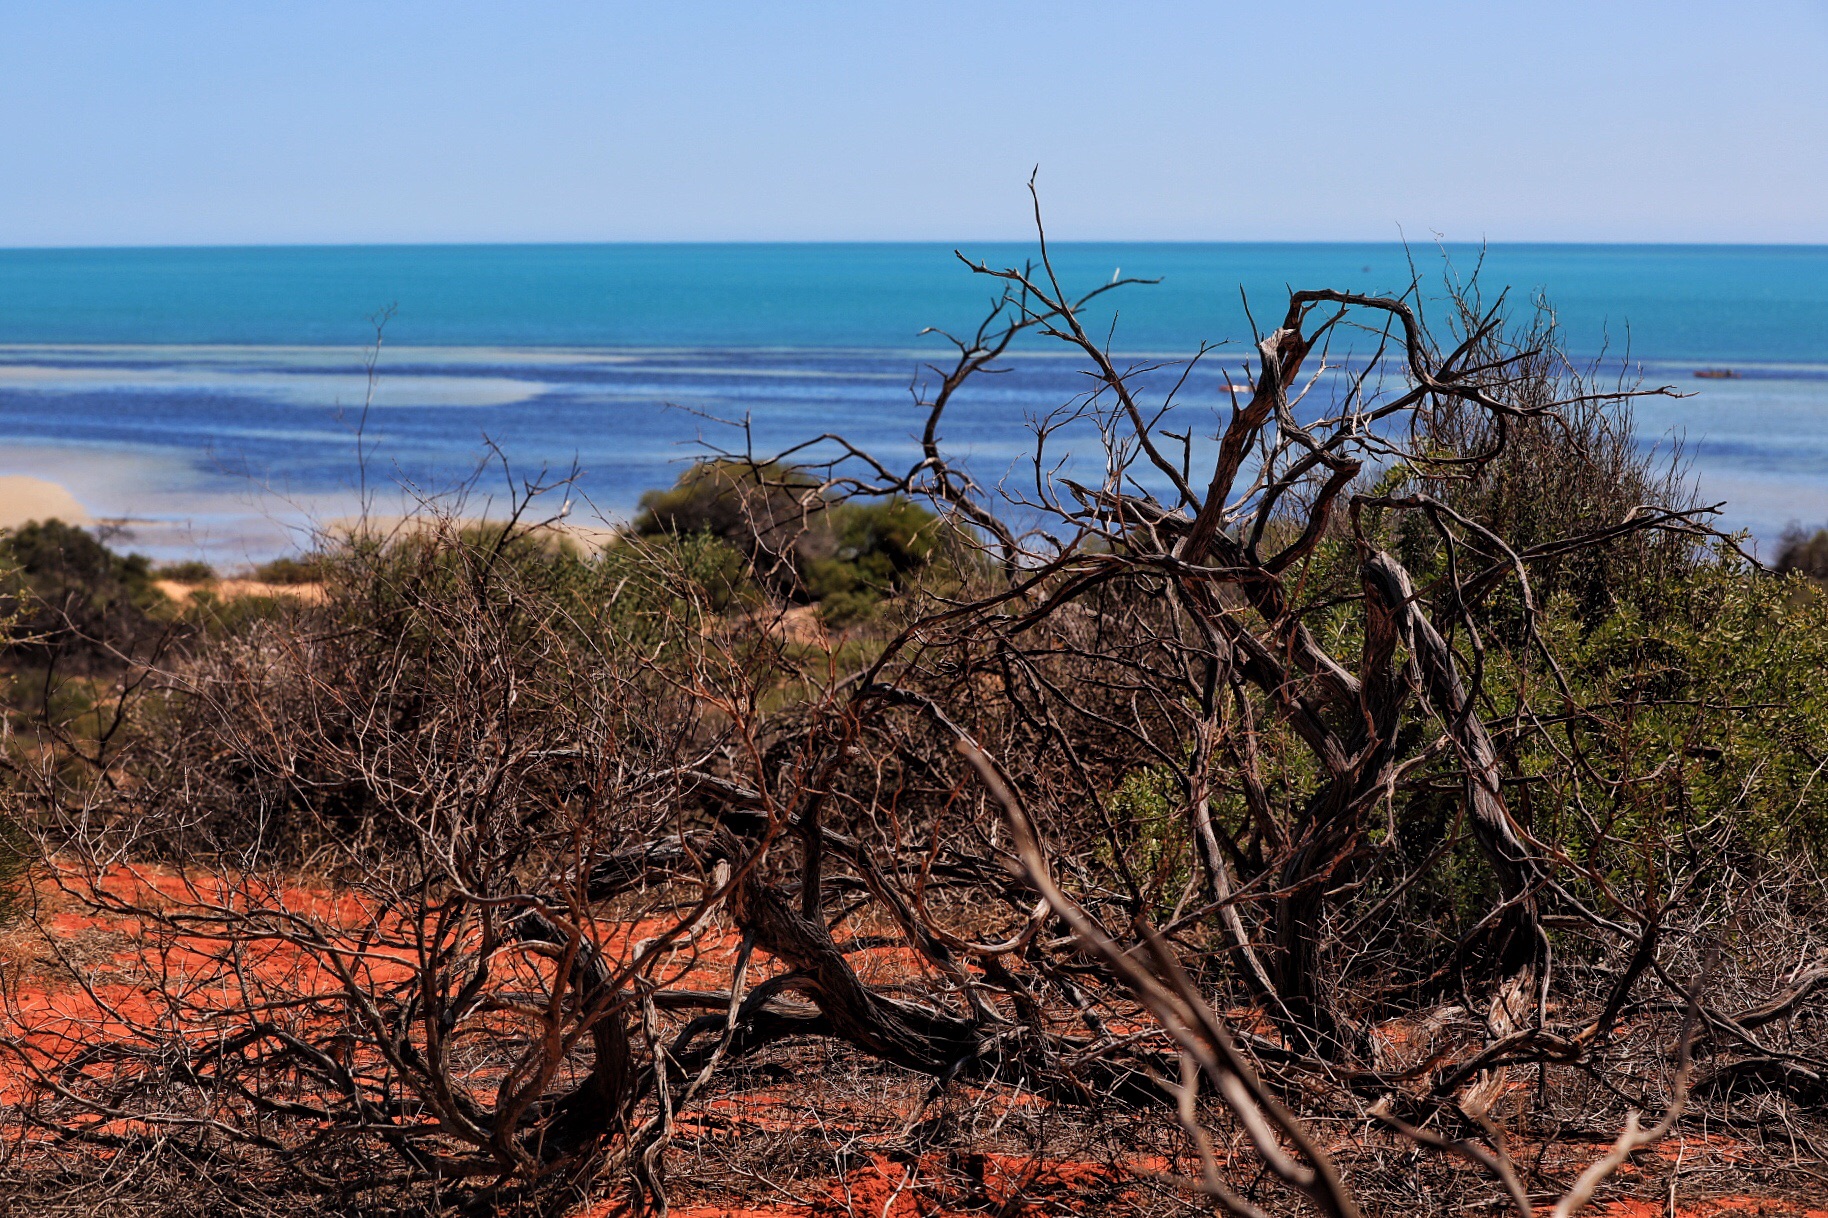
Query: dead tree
[1232, 650]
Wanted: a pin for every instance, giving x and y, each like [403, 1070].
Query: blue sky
[209, 123]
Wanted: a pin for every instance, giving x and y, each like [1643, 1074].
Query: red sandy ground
[53, 1013]
[878, 1191]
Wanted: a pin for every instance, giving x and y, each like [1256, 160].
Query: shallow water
[213, 396]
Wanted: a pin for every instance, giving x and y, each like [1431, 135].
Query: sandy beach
[24, 498]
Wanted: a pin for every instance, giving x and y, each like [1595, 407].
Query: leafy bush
[1720, 700]
[305, 569]
[844, 555]
[1543, 480]
[882, 548]
[192, 572]
[1804, 553]
[773, 513]
[73, 598]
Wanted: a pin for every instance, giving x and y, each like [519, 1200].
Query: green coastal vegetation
[1723, 658]
[1727, 658]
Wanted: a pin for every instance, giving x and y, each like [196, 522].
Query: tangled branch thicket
[1418, 787]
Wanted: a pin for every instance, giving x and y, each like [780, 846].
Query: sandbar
[24, 498]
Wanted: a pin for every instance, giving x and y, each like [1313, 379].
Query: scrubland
[1414, 808]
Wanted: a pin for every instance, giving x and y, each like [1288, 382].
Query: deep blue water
[211, 393]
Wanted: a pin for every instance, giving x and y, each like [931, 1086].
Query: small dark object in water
[1717, 374]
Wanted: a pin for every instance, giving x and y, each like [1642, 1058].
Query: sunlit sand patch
[24, 498]
[232, 589]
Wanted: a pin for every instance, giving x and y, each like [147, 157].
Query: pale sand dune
[229, 589]
[24, 498]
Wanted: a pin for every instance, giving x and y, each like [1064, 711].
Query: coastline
[232, 530]
[237, 454]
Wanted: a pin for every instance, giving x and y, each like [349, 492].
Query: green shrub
[303, 569]
[881, 547]
[1804, 553]
[772, 513]
[72, 597]
[1147, 809]
[633, 585]
[54, 555]
[844, 555]
[1720, 697]
[192, 572]
[1574, 468]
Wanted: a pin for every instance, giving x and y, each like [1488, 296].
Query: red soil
[1722, 1207]
[71, 978]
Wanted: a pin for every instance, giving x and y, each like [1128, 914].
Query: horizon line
[133, 247]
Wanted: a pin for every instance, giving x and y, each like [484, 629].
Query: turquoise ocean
[208, 398]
